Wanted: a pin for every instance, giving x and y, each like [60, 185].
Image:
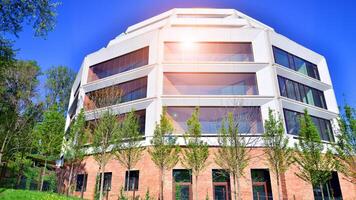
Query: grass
[10, 194]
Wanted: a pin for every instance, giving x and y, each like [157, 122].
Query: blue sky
[327, 27]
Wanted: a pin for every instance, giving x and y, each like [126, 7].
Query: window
[210, 84]
[107, 181]
[131, 184]
[300, 92]
[295, 63]
[182, 184]
[81, 182]
[249, 118]
[119, 64]
[323, 126]
[120, 93]
[221, 184]
[331, 189]
[261, 184]
[208, 51]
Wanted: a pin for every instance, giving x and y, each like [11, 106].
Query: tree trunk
[196, 187]
[43, 174]
[82, 190]
[278, 187]
[238, 189]
[101, 182]
[161, 184]
[128, 182]
[234, 179]
[3, 148]
[322, 192]
[19, 176]
[70, 179]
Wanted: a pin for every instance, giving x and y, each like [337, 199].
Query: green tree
[196, 152]
[58, 85]
[106, 131]
[129, 150]
[346, 143]
[49, 134]
[315, 162]
[164, 151]
[234, 152]
[279, 155]
[74, 151]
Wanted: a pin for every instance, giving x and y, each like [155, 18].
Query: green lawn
[11, 194]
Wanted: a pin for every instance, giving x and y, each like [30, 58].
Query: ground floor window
[182, 184]
[261, 184]
[131, 184]
[81, 182]
[221, 184]
[107, 181]
[331, 189]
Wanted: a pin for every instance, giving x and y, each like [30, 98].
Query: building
[220, 60]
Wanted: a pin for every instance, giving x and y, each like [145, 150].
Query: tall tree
[234, 152]
[196, 152]
[315, 162]
[58, 84]
[75, 152]
[129, 150]
[106, 131]
[18, 90]
[49, 134]
[346, 143]
[279, 155]
[164, 151]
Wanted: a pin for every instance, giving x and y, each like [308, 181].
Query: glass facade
[119, 64]
[123, 92]
[249, 118]
[295, 63]
[208, 52]
[292, 119]
[210, 84]
[301, 92]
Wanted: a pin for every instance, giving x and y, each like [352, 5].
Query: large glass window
[208, 51]
[292, 119]
[331, 189]
[221, 184]
[107, 181]
[210, 84]
[131, 183]
[123, 92]
[295, 63]
[81, 183]
[119, 64]
[182, 184]
[300, 92]
[261, 184]
[248, 118]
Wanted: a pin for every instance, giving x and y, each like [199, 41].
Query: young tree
[49, 136]
[234, 152]
[315, 166]
[74, 151]
[196, 152]
[279, 155]
[346, 144]
[58, 86]
[106, 131]
[164, 151]
[128, 150]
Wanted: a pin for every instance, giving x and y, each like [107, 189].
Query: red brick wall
[149, 179]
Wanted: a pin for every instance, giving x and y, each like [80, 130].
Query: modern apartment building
[222, 61]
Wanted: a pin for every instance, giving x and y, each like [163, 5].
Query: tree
[58, 84]
[315, 166]
[234, 152]
[128, 150]
[164, 151]
[346, 143]
[49, 136]
[106, 131]
[279, 155]
[77, 137]
[196, 152]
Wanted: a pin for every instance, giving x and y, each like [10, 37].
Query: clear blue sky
[327, 27]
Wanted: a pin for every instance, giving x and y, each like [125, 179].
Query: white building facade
[219, 60]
